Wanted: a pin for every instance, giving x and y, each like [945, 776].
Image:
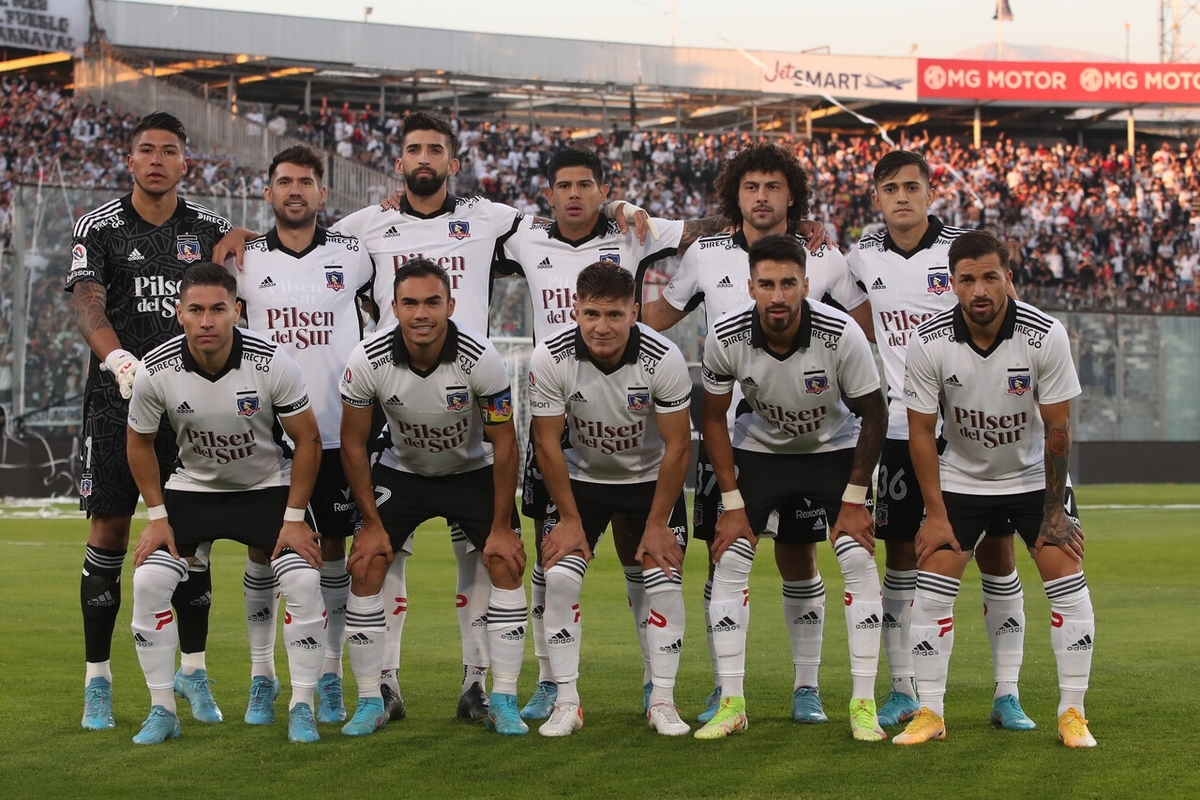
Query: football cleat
[302, 726]
[646, 690]
[1073, 729]
[565, 719]
[393, 702]
[368, 717]
[897, 707]
[541, 702]
[863, 722]
[158, 727]
[664, 719]
[729, 719]
[194, 689]
[473, 704]
[261, 709]
[330, 707]
[711, 704]
[503, 717]
[97, 705]
[1008, 714]
[926, 726]
[806, 706]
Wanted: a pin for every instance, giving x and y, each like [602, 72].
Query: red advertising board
[1058, 82]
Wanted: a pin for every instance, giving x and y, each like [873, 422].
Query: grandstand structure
[1141, 372]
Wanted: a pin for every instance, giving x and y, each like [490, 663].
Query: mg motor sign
[1058, 82]
[843, 77]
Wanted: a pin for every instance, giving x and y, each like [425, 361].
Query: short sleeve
[491, 386]
[146, 407]
[717, 371]
[288, 393]
[857, 375]
[922, 388]
[684, 289]
[357, 386]
[1057, 380]
[672, 384]
[546, 397]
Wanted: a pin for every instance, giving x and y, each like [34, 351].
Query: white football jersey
[461, 238]
[795, 400]
[716, 270]
[989, 400]
[308, 302]
[551, 265]
[905, 289]
[223, 423]
[435, 418]
[610, 413]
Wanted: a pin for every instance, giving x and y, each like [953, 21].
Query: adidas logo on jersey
[1083, 644]
[953, 381]
[103, 600]
[577, 398]
[136, 255]
[868, 624]
[545, 264]
[1009, 625]
[307, 643]
[725, 283]
[261, 616]
[725, 625]
[203, 600]
[267, 283]
[878, 284]
[390, 232]
[562, 637]
[359, 639]
[674, 647]
[142, 641]
[393, 401]
[811, 618]
[184, 408]
[748, 381]
[515, 635]
[890, 622]
[924, 649]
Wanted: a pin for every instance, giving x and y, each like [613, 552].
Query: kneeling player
[622, 390]
[807, 374]
[222, 390]
[439, 386]
[1001, 373]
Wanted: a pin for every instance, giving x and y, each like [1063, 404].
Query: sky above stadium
[935, 28]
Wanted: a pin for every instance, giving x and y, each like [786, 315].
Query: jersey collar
[599, 229]
[628, 357]
[803, 338]
[235, 359]
[273, 243]
[447, 356]
[962, 334]
[448, 206]
[931, 235]
[182, 212]
[739, 237]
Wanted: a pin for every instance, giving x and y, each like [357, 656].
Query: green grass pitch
[1144, 703]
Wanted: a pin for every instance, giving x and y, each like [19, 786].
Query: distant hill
[1029, 52]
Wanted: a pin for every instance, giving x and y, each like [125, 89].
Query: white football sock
[303, 624]
[471, 602]
[899, 585]
[395, 607]
[506, 617]
[260, 591]
[932, 633]
[564, 629]
[708, 634]
[537, 606]
[804, 613]
[365, 640]
[335, 588]
[635, 590]
[664, 631]
[154, 629]
[1072, 631]
[729, 614]
[1004, 615]
[864, 614]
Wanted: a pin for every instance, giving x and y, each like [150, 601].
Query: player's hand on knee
[658, 543]
[1062, 532]
[370, 542]
[157, 534]
[565, 538]
[731, 526]
[299, 538]
[933, 535]
[505, 552]
[855, 521]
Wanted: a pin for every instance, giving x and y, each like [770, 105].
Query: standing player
[904, 269]
[807, 374]
[223, 391]
[300, 284]
[127, 258]
[440, 386]
[1001, 374]
[764, 192]
[622, 391]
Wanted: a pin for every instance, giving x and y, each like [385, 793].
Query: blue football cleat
[194, 689]
[302, 727]
[97, 705]
[806, 706]
[261, 708]
[158, 727]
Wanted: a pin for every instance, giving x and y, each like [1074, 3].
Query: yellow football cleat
[1073, 730]
[926, 726]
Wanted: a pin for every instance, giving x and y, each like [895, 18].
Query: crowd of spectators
[1088, 228]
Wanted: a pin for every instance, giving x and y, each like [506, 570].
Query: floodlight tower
[1179, 29]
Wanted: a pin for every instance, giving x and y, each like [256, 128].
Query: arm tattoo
[90, 301]
[873, 410]
[1056, 528]
[693, 229]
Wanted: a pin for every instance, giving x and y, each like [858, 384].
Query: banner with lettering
[841, 77]
[46, 25]
[1058, 82]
